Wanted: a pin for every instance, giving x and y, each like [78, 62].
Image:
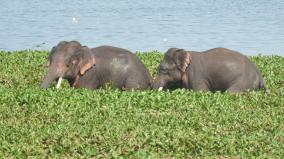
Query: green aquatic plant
[109, 123]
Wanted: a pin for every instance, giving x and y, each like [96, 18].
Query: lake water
[249, 26]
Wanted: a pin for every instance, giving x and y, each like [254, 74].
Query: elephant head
[172, 70]
[68, 60]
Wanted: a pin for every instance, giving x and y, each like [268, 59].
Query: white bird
[75, 20]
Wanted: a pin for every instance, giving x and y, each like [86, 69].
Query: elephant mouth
[170, 86]
[48, 80]
[174, 85]
[73, 81]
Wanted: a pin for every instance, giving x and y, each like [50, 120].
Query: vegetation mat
[110, 123]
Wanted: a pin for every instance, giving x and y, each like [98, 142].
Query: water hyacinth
[107, 123]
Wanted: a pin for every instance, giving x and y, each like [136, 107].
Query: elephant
[217, 69]
[93, 68]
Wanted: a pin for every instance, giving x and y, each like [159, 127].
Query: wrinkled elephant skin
[217, 69]
[93, 68]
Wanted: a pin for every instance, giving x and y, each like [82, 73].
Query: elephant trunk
[48, 80]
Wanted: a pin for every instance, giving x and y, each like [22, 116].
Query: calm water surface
[249, 26]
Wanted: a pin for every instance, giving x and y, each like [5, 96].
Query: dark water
[249, 26]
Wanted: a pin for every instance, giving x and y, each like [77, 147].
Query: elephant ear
[182, 59]
[83, 60]
[87, 60]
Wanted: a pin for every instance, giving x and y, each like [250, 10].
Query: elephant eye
[162, 70]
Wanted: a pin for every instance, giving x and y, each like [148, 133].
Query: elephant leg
[233, 90]
[237, 87]
[201, 87]
[131, 84]
[242, 84]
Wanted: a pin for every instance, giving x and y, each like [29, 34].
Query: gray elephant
[93, 68]
[217, 69]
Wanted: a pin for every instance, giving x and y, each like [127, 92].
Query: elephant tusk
[160, 89]
[59, 82]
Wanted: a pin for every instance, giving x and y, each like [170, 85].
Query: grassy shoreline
[111, 123]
